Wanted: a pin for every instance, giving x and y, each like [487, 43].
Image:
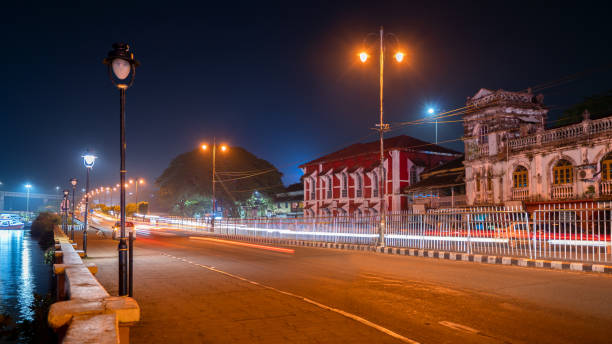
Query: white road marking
[458, 327]
[305, 299]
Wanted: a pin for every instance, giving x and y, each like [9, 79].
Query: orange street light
[363, 56]
[399, 56]
[204, 147]
[131, 181]
[223, 148]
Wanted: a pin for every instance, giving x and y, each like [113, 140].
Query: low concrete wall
[85, 312]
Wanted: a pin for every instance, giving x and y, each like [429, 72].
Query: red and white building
[348, 181]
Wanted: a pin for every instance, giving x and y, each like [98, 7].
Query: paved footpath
[205, 291]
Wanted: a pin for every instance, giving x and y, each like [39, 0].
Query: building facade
[510, 156]
[350, 181]
[290, 202]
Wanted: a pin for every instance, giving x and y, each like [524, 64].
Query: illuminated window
[563, 173]
[606, 168]
[519, 177]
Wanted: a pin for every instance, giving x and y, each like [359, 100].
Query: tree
[599, 105]
[143, 208]
[185, 187]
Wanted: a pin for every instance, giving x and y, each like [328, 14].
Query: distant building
[347, 181]
[290, 202]
[440, 187]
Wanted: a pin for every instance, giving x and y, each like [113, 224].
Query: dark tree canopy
[185, 187]
[599, 105]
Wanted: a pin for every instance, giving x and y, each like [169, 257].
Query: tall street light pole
[122, 71]
[382, 127]
[431, 111]
[214, 171]
[89, 161]
[73, 181]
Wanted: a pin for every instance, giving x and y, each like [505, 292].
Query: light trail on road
[239, 243]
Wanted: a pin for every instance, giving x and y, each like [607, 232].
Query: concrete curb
[477, 258]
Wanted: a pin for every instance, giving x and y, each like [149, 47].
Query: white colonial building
[510, 156]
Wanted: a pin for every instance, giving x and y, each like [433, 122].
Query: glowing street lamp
[88, 160]
[223, 148]
[122, 65]
[430, 112]
[382, 127]
[65, 211]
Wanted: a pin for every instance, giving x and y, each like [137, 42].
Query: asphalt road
[204, 291]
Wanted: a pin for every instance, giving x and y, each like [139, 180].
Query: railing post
[468, 244]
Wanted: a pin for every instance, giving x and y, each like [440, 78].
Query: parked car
[129, 227]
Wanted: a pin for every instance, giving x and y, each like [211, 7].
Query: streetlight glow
[28, 186]
[430, 111]
[223, 148]
[363, 56]
[89, 160]
[399, 56]
[204, 147]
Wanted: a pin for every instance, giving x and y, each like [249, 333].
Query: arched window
[414, 178]
[483, 134]
[359, 186]
[519, 177]
[606, 167]
[313, 189]
[563, 173]
[344, 185]
[374, 185]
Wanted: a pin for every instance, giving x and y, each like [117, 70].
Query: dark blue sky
[280, 79]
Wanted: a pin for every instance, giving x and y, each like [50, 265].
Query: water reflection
[22, 272]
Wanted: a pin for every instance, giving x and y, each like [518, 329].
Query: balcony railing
[520, 194]
[563, 191]
[605, 187]
[568, 133]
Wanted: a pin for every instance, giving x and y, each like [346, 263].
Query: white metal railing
[605, 187]
[520, 194]
[576, 231]
[563, 191]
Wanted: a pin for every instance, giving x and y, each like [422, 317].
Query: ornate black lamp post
[89, 161]
[65, 211]
[122, 71]
[73, 181]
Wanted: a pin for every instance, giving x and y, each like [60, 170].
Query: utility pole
[382, 127]
[214, 201]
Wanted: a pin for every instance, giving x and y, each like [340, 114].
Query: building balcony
[520, 194]
[563, 191]
[605, 188]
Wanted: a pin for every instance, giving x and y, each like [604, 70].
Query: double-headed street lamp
[223, 148]
[382, 127]
[122, 71]
[89, 160]
[73, 182]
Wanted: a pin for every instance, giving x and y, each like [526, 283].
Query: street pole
[213, 183]
[72, 224]
[85, 225]
[381, 238]
[123, 273]
[137, 210]
[436, 131]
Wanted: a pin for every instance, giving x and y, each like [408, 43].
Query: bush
[42, 229]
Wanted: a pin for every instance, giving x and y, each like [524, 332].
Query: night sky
[281, 80]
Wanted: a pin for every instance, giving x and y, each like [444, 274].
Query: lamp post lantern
[73, 182]
[382, 127]
[122, 71]
[89, 160]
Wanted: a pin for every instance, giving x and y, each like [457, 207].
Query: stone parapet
[86, 312]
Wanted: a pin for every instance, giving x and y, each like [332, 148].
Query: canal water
[23, 272]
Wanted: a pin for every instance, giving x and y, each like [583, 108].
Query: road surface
[195, 290]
